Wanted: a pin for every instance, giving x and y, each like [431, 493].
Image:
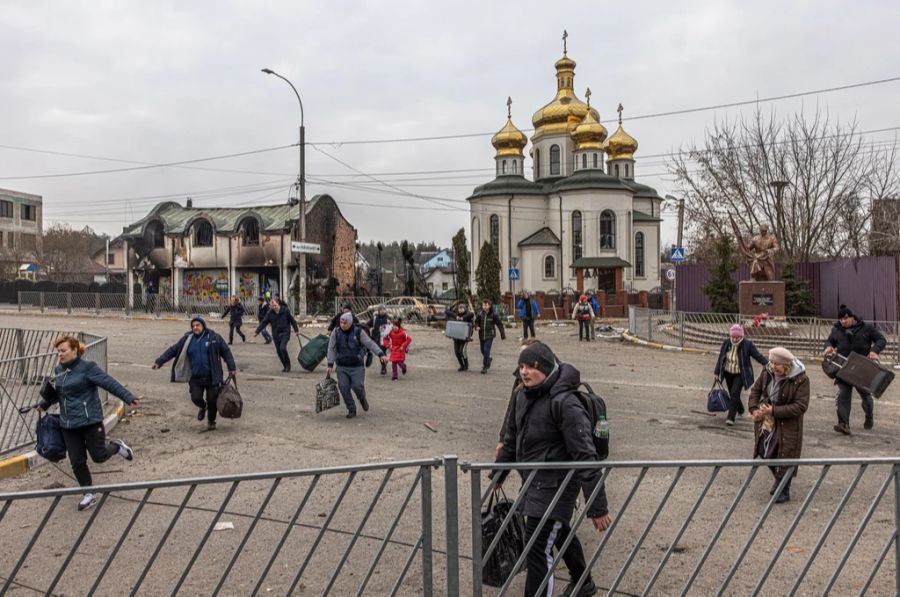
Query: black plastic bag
[498, 567]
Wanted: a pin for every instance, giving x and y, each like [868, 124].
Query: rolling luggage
[458, 330]
[312, 353]
[865, 375]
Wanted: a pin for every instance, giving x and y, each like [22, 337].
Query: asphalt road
[656, 401]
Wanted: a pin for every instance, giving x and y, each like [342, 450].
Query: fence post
[649, 326]
[128, 299]
[679, 317]
[451, 470]
[97, 302]
[42, 302]
[19, 300]
[68, 303]
[427, 562]
[477, 547]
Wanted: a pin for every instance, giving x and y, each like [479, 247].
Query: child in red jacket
[397, 341]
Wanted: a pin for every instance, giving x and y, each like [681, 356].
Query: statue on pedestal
[759, 252]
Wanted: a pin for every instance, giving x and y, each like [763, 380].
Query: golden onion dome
[566, 111]
[621, 145]
[590, 133]
[509, 140]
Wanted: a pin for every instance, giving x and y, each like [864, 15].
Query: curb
[640, 342]
[21, 464]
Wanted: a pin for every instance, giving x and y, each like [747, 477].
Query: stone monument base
[761, 297]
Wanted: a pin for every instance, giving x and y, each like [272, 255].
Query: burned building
[205, 254]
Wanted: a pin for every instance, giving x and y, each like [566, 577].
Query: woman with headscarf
[778, 400]
[735, 369]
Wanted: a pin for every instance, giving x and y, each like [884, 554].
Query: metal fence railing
[705, 527]
[97, 303]
[804, 336]
[342, 531]
[26, 358]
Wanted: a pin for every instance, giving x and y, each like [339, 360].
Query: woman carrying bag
[735, 369]
[81, 413]
[777, 402]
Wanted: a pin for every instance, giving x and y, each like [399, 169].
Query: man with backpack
[552, 422]
[347, 349]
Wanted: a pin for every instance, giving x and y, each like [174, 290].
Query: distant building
[432, 260]
[440, 280]
[21, 231]
[207, 254]
[884, 238]
[114, 266]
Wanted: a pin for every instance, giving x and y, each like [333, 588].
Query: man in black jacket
[534, 434]
[281, 320]
[262, 307]
[198, 355]
[851, 334]
[485, 323]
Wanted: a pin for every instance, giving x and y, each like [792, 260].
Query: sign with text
[301, 247]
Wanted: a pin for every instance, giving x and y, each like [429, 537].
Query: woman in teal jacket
[81, 413]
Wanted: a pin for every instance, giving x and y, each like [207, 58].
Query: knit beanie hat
[538, 356]
[347, 317]
[199, 319]
[736, 330]
[781, 356]
[844, 311]
[582, 298]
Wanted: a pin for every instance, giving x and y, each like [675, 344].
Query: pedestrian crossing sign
[677, 254]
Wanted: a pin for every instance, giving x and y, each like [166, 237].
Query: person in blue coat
[81, 413]
[198, 361]
[528, 312]
[733, 367]
[235, 311]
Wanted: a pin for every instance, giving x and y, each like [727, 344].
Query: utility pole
[680, 221]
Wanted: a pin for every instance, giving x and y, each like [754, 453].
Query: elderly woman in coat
[777, 402]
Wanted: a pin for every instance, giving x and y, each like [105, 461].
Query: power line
[639, 117]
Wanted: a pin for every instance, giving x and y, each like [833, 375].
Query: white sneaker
[87, 501]
[124, 451]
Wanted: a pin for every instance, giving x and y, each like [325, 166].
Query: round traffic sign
[670, 275]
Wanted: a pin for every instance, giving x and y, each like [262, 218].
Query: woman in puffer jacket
[80, 412]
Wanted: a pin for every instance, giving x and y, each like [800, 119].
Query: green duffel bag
[312, 353]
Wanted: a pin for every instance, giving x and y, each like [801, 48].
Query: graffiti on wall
[248, 285]
[206, 285]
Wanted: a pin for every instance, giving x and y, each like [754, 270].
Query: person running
[528, 312]
[198, 361]
[778, 399]
[235, 311]
[262, 307]
[538, 432]
[346, 307]
[851, 334]
[459, 346]
[734, 368]
[510, 406]
[397, 342]
[485, 323]
[81, 413]
[281, 320]
[583, 313]
[380, 326]
[346, 350]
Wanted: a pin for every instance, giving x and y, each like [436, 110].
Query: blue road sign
[513, 273]
[677, 254]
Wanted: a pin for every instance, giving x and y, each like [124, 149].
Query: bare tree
[832, 175]
[67, 252]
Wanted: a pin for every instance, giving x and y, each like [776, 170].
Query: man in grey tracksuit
[347, 349]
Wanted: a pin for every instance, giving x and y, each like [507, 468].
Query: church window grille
[554, 160]
[639, 254]
[495, 232]
[577, 251]
[549, 267]
[607, 230]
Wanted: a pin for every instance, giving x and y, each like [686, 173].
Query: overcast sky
[157, 82]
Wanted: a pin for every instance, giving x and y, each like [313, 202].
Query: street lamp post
[301, 185]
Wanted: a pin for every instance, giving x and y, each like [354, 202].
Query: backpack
[595, 407]
[50, 443]
[583, 311]
[230, 404]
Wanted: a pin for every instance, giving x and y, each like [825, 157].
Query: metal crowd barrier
[342, 530]
[703, 527]
[97, 303]
[804, 336]
[26, 358]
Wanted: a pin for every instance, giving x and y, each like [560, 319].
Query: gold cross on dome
[587, 95]
[509, 107]
[619, 110]
[565, 43]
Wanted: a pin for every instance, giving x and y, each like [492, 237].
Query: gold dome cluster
[590, 133]
[621, 145]
[509, 140]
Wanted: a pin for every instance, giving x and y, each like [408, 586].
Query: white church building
[581, 222]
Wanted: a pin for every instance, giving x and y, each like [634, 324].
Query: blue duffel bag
[50, 442]
[717, 400]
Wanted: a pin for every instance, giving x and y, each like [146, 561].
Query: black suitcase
[865, 374]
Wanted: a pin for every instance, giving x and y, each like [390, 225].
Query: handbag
[717, 400]
[48, 391]
[230, 404]
[50, 443]
[327, 395]
[832, 364]
[499, 566]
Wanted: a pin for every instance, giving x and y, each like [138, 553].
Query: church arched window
[515, 165]
[595, 160]
[577, 251]
[617, 171]
[583, 160]
[639, 254]
[549, 267]
[495, 232]
[607, 229]
[554, 160]
[537, 163]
